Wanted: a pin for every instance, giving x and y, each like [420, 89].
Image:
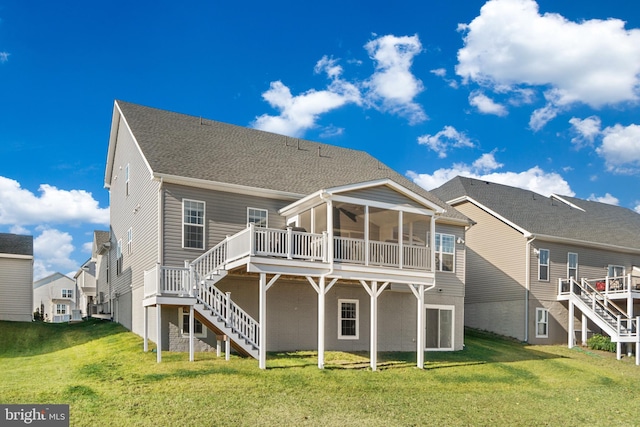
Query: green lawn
[100, 370]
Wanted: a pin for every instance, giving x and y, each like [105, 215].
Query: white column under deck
[146, 329]
[263, 321]
[321, 288]
[421, 327]
[584, 330]
[374, 292]
[571, 328]
[159, 333]
[191, 334]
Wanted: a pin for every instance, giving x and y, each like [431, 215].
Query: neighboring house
[16, 277]
[57, 295]
[85, 279]
[532, 260]
[276, 242]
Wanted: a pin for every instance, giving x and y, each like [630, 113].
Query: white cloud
[637, 208]
[440, 72]
[607, 198]
[486, 105]
[300, 113]
[393, 87]
[4, 57]
[52, 250]
[21, 207]
[534, 179]
[621, 148]
[587, 130]
[444, 140]
[510, 44]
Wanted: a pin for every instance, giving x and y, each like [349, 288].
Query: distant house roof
[563, 217]
[52, 278]
[16, 244]
[187, 146]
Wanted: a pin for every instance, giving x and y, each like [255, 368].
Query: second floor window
[67, 293]
[543, 265]
[119, 258]
[129, 241]
[193, 224]
[572, 265]
[126, 179]
[259, 217]
[445, 251]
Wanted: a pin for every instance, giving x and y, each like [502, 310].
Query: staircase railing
[234, 317]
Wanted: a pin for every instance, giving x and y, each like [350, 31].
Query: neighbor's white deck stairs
[614, 321]
[216, 307]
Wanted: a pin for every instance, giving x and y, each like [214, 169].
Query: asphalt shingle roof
[598, 223]
[189, 146]
[16, 244]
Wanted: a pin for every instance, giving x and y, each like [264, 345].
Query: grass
[100, 370]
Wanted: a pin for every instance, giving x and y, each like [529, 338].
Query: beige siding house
[55, 295]
[273, 243]
[16, 277]
[547, 269]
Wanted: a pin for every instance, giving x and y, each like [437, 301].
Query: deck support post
[191, 333]
[227, 348]
[146, 329]
[321, 319]
[263, 321]
[584, 329]
[218, 345]
[373, 351]
[571, 328]
[159, 333]
[421, 328]
[619, 349]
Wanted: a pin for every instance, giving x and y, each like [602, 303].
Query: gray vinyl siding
[225, 214]
[16, 289]
[384, 194]
[453, 283]
[496, 259]
[138, 211]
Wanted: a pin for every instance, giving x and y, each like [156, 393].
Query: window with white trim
[126, 179]
[542, 323]
[61, 309]
[119, 258]
[572, 265]
[129, 241]
[445, 252]
[193, 212]
[543, 265]
[199, 330]
[259, 217]
[348, 324]
[67, 293]
[615, 271]
[439, 327]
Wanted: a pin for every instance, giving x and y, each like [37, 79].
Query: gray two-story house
[275, 243]
[16, 277]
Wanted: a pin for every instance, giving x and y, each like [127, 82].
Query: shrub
[600, 342]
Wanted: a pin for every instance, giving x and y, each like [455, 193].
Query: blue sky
[542, 95]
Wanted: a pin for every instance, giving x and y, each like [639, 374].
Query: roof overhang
[577, 242]
[340, 193]
[491, 212]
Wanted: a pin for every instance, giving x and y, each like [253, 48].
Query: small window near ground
[542, 323]
[439, 327]
[348, 319]
[61, 309]
[572, 265]
[543, 265]
[259, 217]
[199, 330]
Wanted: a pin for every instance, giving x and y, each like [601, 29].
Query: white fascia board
[577, 242]
[566, 202]
[16, 256]
[227, 187]
[303, 203]
[111, 151]
[491, 212]
[382, 205]
[390, 183]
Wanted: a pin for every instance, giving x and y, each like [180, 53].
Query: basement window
[199, 330]
[348, 324]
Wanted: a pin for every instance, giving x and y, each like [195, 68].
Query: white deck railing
[606, 285]
[166, 280]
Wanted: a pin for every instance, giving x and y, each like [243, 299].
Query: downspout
[527, 284]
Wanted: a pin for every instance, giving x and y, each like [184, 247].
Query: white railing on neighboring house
[606, 285]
